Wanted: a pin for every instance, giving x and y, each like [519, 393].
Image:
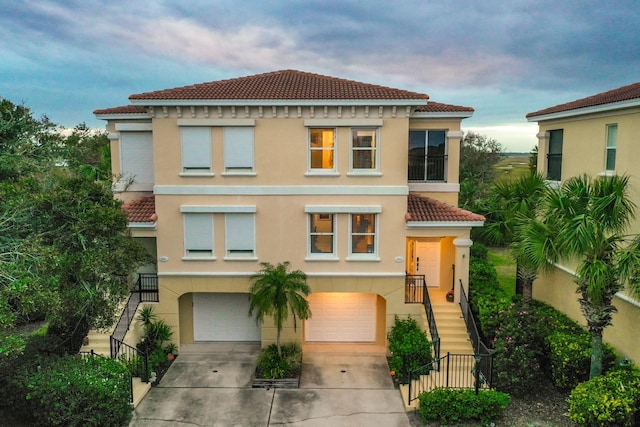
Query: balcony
[427, 169]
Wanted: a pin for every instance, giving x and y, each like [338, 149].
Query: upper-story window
[612, 137]
[240, 235]
[238, 150]
[136, 159]
[364, 149]
[322, 235]
[196, 150]
[363, 231]
[322, 145]
[198, 235]
[427, 155]
[554, 156]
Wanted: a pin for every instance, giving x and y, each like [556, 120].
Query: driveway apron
[210, 385]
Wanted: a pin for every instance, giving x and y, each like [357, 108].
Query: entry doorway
[426, 260]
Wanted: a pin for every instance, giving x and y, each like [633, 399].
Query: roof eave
[440, 115]
[283, 102]
[444, 224]
[143, 225]
[586, 110]
[122, 116]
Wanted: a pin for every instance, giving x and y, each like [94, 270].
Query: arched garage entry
[346, 317]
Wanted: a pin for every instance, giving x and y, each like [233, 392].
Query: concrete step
[140, 390]
[99, 342]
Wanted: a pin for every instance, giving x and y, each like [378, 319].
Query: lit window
[322, 234]
[363, 234]
[612, 137]
[321, 149]
[364, 149]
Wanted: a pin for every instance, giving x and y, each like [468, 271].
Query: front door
[427, 261]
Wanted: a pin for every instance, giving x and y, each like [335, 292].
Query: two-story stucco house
[355, 184]
[596, 135]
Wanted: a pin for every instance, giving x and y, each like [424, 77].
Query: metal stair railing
[431, 320]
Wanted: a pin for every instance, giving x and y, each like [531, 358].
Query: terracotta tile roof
[123, 109]
[423, 209]
[624, 93]
[141, 210]
[281, 85]
[437, 107]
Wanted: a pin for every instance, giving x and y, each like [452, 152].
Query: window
[363, 149]
[363, 234]
[240, 235]
[554, 157]
[427, 155]
[196, 150]
[612, 137]
[198, 235]
[322, 149]
[238, 150]
[136, 154]
[322, 234]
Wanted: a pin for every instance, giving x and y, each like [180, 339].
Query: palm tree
[276, 292]
[586, 220]
[513, 203]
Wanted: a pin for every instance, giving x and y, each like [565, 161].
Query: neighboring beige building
[596, 135]
[355, 184]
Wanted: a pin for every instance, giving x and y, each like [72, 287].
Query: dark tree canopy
[478, 155]
[66, 255]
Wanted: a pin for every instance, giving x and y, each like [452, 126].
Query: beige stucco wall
[584, 151]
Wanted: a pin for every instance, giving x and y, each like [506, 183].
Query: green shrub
[517, 370]
[135, 365]
[570, 356]
[607, 400]
[410, 349]
[73, 391]
[482, 274]
[446, 405]
[479, 251]
[270, 365]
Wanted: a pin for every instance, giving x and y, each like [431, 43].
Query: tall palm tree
[586, 220]
[278, 292]
[513, 203]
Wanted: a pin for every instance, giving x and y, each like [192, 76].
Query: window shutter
[238, 147]
[136, 152]
[196, 147]
[198, 232]
[240, 230]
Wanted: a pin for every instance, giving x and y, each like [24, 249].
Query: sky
[504, 58]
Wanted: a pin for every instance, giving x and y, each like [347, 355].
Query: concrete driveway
[209, 385]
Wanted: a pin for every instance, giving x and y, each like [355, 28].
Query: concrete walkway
[208, 385]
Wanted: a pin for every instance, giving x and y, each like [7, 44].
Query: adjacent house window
[196, 150]
[238, 150]
[322, 149]
[322, 236]
[554, 156]
[240, 235]
[198, 235]
[364, 149]
[427, 155]
[363, 234]
[612, 137]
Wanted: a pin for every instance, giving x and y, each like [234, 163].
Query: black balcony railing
[424, 169]
[414, 288]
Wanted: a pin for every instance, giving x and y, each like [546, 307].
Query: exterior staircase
[455, 370]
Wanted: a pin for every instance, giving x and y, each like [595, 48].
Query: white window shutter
[238, 147]
[196, 147]
[136, 153]
[198, 232]
[240, 233]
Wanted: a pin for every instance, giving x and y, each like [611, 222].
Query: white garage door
[341, 317]
[223, 317]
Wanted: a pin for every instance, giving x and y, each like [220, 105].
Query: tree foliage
[65, 251]
[478, 155]
[278, 292]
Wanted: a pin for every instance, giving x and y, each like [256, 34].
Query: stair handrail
[431, 320]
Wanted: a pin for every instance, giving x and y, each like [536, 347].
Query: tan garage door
[341, 317]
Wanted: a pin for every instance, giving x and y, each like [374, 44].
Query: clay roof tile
[423, 209]
[141, 210]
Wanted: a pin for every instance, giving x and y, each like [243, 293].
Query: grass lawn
[506, 268]
[511, 167]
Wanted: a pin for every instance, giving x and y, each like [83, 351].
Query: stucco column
[543, 148]
[462, 266]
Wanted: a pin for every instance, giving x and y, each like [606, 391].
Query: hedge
[446, 405]
[409, 347]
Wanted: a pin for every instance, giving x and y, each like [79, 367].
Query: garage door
[341, 317]
[223, 317]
